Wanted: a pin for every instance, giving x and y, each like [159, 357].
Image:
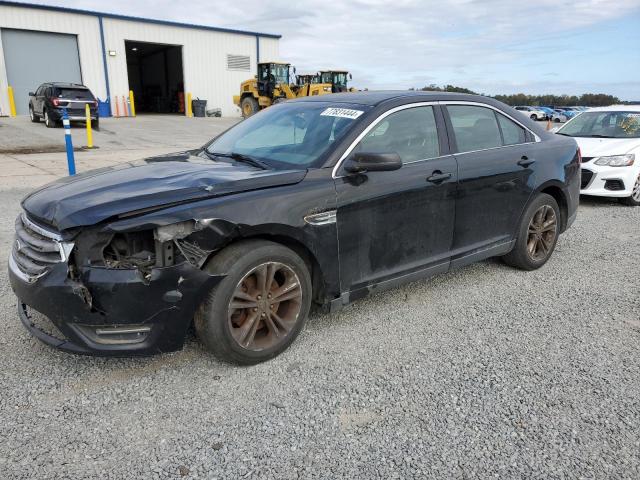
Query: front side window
[512, 133]
[475, 128]
[411, 133]
[289, 135]
[609, 124]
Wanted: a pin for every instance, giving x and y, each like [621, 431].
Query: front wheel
[259, 307]
[32, 115]
[533, 117]
[537, 234]
[249, 106]
[634, 199]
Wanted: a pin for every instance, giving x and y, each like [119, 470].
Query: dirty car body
[115, 258]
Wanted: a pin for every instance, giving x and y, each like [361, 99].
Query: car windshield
[289, 135]
[609, 124]
[74, 93]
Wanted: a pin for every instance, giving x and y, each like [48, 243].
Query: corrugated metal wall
[204, 57]
[204, 53]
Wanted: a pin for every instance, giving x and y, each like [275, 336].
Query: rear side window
[512, 133]
[411, 133]
[74, 93]
[475, 128]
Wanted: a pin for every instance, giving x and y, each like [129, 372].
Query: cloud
[409, 43]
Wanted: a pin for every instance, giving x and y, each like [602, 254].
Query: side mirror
[350, 77]
[373, 162]
[31, 94]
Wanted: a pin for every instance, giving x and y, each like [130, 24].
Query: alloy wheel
[543, 229]
[265, 306]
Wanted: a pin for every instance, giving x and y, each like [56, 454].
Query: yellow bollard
[87, 114]
[133, 106]
[188, 109]
[12, 102]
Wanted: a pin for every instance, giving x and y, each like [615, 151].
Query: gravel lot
[483, 372]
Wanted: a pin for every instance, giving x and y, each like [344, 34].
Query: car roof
[373, 97]
[616, 108]
[65, 85]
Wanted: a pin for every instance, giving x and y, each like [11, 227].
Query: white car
[532, 112]
[559, 117]
[609, 140]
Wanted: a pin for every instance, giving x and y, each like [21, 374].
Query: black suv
[323, 199]
[50, 99]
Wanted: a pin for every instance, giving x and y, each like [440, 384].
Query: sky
[489, 46]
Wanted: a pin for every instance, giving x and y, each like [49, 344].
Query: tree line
[586, 99]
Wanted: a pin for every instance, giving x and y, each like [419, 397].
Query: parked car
[50, 99]
[609, 138]
[559, 116]
[569, 112]
[534, 113]
[547, 111]
[325, 199]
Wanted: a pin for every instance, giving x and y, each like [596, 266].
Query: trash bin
[199, 107]
[104, 108]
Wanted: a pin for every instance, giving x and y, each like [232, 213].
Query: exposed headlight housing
[616, 160]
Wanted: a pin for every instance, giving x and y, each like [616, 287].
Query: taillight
[55, 101]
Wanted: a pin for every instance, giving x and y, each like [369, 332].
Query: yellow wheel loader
[270, 86]
[337, 79]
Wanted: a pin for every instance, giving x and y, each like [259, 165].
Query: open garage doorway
[155, 76]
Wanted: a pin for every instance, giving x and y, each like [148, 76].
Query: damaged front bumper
[115, 312]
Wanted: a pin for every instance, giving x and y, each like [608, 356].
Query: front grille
[587, 175]
[36, 249]
[614, 185]
[587, 159]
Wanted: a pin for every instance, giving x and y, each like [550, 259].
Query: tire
[32, 115]
[543, 243]
[556, 120]
[48, 121]
[533, 117]
[249, 106]
[634, 199]
[220, 327]
[95, 124]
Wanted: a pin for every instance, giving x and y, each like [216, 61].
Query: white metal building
[112, 54]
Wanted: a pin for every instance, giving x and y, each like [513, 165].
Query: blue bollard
[71, 161]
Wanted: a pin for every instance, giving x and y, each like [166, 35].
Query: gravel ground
[483, 372]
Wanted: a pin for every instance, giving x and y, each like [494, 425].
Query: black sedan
[325, 199]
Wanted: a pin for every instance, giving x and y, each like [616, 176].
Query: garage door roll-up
[33, 58]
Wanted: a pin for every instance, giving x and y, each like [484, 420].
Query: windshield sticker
[342, 112]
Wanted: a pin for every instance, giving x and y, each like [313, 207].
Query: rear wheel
[34, 118]
[537, 235]
[249, 106]
[48, 121]
[634, 199]
[533, 117]
[260, 306]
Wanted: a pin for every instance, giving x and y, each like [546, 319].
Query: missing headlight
[131, 250]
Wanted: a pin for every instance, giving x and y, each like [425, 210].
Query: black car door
[494, 155]
[397, 223]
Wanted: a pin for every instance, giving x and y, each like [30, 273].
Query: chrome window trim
[382, 116]
[444, 103]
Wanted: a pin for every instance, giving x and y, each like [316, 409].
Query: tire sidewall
[214, 327]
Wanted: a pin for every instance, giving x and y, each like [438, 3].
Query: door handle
[526, 161]
[438, 177]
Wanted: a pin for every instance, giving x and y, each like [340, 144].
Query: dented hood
[92, 197]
